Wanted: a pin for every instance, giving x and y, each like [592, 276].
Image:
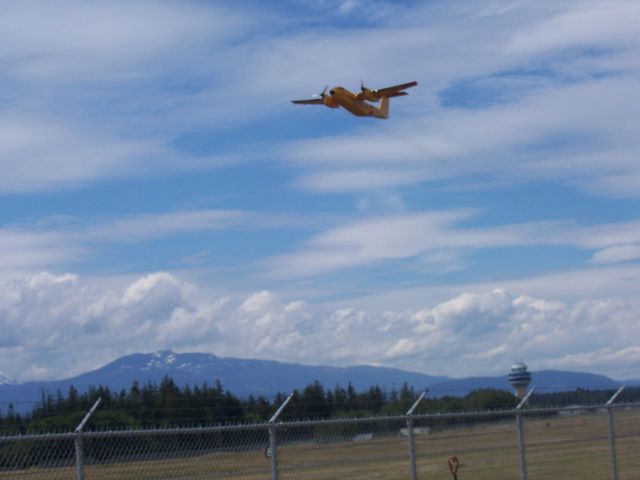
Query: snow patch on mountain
[4, 380]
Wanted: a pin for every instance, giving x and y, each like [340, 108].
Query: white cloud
[49, 243]
[355, 9]
[59, 325]
[436, 237]
[77, 41]
[24, 251]
[354, 180]
[621, 253]
[366, 242]
[585, 24]
[617, 185]
[142, 289]
[258, 302]
[614, 358]
[436, 240]
[47, 154]
[88, 87]
[48, 315]
[138, 228]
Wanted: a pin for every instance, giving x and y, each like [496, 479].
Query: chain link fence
[595, 442]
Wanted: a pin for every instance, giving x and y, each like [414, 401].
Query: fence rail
[562, 443]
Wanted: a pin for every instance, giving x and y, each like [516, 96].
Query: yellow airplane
[358, 104]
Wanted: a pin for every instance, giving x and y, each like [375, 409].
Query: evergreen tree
[313, 401]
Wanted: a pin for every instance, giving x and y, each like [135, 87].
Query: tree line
[167, 404]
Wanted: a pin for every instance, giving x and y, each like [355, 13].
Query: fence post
[412, 448]
[273, 440]
[79, 457]
[612, 435]
[78, 442]
[523, 461]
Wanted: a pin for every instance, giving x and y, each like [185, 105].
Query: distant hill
[545, 381]
[632, 383]
[262, 377]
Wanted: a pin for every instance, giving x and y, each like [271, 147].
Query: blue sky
[159, 190]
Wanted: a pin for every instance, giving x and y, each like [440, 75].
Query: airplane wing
[394, 91]
[396, 94]
[385, 92]
[311, 101]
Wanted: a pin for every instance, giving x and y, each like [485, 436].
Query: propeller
[323, 93]
[364, 89]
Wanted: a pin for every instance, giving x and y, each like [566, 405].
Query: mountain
[240, 376]
[545, 381]
[4, 380]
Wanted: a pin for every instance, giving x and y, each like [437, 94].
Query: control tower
[519, 378]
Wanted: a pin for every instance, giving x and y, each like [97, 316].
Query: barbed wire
[464, 419]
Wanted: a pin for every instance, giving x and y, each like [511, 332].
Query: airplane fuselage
[341, 97]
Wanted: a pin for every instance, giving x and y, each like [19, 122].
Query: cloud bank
[60, 325]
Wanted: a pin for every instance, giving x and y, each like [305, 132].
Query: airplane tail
[384, 107]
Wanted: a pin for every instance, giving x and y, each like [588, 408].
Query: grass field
[562, 447]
